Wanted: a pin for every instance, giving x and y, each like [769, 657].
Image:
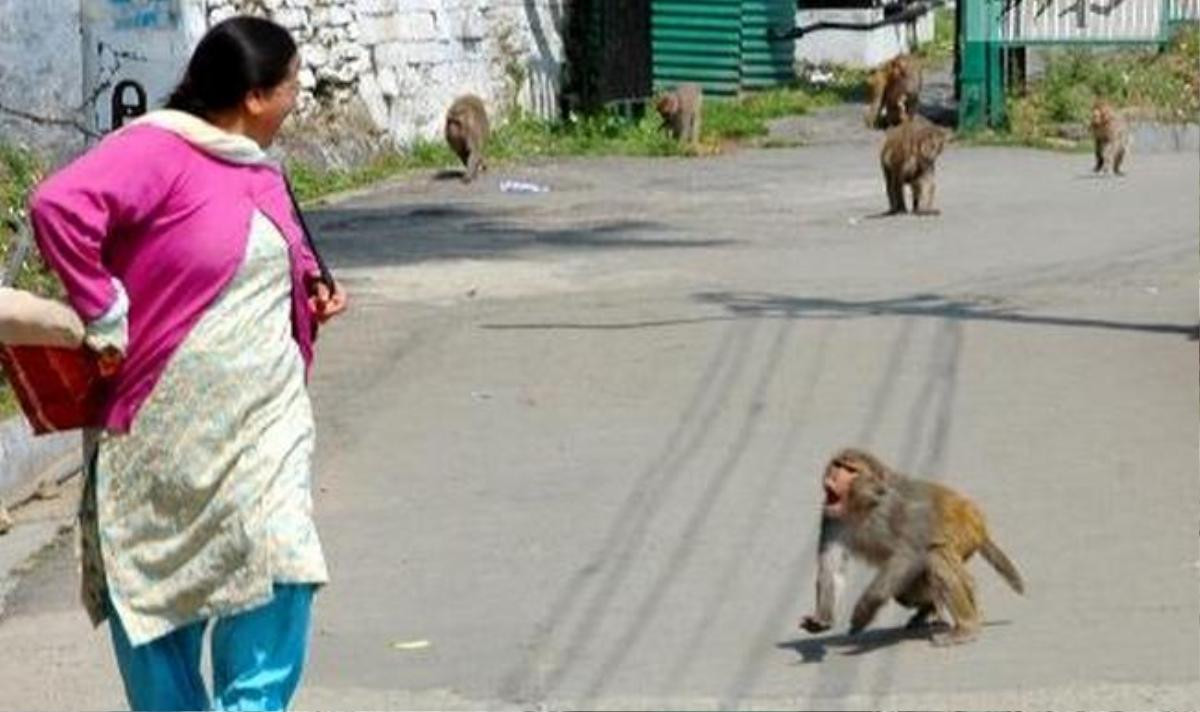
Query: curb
[24, 457]
[1154, 137]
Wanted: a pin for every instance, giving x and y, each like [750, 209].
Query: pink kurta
[169, 221]
[178, 245]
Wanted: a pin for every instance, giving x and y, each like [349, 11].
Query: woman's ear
[255, 102]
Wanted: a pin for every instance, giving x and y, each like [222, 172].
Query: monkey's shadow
[450, 174]
[814, 650]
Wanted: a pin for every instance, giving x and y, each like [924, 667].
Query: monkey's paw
[812, 624]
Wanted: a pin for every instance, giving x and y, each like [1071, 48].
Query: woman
[178, 244]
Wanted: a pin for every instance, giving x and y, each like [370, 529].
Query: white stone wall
[404, 61]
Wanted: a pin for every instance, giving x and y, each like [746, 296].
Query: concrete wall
[41, 91]
[147, 42]
[398, 63]
[858, 48]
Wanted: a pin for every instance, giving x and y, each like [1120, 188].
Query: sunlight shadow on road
[759, 305]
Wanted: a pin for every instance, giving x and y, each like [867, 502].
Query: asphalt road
[569, 442]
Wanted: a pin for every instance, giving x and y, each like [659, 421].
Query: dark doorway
[608, 53]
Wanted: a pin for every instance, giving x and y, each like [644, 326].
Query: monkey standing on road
[917, 534]
[467, 133]
[910, 152]
[892, 92]
[680, 110]
[1111, 135]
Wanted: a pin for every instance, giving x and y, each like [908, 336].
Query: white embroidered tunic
[206, 502]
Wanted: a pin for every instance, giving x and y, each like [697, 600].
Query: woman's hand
[325, 304]
[108, 361]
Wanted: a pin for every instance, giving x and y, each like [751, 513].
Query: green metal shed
[767, 63]
[721, 44]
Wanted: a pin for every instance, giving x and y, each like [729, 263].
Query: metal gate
[987, 28]
[608, 50]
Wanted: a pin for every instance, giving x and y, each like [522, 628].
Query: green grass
[747, 117]
[1161, 86]
[521, 138]
[311, 183]
[606, 133]
[20, 170]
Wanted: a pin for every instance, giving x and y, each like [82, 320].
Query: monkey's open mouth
[831, 497]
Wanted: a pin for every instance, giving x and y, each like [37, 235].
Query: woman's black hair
[236, 56]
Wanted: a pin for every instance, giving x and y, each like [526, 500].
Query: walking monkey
[917, 534]
[1111, 135]
[892, 92]
[467, 133]
[908, 158]
[680, 110]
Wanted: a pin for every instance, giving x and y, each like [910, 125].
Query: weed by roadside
[520, 138]
[1144, 83]
[748, 117]
[605, 133]
[20, 170]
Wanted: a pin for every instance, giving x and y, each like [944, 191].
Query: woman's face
[267, 108]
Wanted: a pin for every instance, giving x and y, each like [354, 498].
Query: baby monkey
[1111, 135]
[917, 534]
[467, 133]
[680, 111]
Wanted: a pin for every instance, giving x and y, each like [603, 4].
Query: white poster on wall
[134, 52]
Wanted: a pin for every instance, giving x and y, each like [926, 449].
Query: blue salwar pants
[257, 657]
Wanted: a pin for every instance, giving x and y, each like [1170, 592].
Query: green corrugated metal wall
[697, 41]
[766, 64]
[720, 44]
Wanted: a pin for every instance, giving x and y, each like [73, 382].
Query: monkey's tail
[1003, 565]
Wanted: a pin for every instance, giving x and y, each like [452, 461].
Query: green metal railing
[987, 28]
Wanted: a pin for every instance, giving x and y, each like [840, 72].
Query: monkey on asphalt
[917, 534]
[892, 92]
[680, 110]
[467, 133]
[1111, 136]
[908, 158]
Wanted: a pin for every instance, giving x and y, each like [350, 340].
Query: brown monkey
[910, 152]
[680, 110]
[467, 133]
[892, 92]
[917, 534]
[1111, 135]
